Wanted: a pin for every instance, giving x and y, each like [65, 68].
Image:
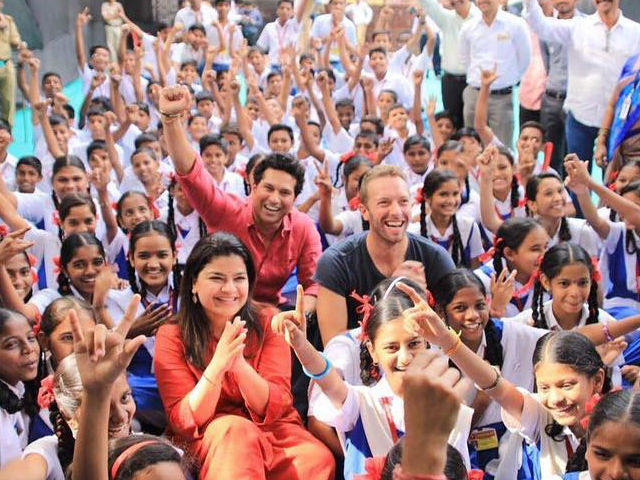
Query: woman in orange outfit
[224, 376]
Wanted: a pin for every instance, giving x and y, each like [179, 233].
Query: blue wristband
[323, 373]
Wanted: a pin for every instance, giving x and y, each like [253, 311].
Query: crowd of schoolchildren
[263, 254]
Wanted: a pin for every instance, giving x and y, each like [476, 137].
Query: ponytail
[493, 352]
[457, 249]
[369, 372]
[564, 234]
[66, 441]
[537, 307]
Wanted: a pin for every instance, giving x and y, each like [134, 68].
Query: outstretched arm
[82, 19]
[174, 103]
[480, 122]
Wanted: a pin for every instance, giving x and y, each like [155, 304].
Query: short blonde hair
[377, 172]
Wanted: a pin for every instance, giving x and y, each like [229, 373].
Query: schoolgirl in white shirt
[449, 157]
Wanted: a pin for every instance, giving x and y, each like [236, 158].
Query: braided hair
[533, 184]
[432, 183]
[120, 206]
[348, 167]
[512, 233]
[144, 229]
[68, 251]
[444, 294]
[202, 228]
[9, 401]
[579, 353]
[515, 186]
[71, 201]
[554, 260]
[58, 165]
[388, 305]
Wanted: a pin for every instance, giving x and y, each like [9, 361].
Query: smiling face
[27, 177]
[280, 141]
[19, 351]
[145, 167]
[445, 127]
[569, 289]
[80, 219]
[628, 174]
[379, 63]
[525, 257]
[564, 391]
[387, 208]
[153, 258]
[222, 287]
[446, 199]
[69, 180]
[100, 59]
[134, 210]
[51, 85]
[215, 161]
[632, 197]
[502, 176]
[273, 197]
[532, 138]
[398, 118]
[393, 349]
[85, 265]
[550, 200]
[611, 459]
[468, 313]
[122, 408]
[20, 274]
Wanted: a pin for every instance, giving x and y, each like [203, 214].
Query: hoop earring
[194, 298]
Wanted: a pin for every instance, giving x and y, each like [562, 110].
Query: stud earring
[194, 297]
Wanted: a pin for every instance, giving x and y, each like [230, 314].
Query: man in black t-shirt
[360, 262]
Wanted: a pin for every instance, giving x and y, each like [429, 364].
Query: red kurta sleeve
[175, 379]
[274, 365]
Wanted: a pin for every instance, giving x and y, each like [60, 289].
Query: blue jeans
[580, 140]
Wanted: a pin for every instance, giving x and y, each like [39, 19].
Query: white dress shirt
[505, 44]
[322, 26]
[596, 56]
[450, 24]
[8, 171]
[275, 36]
[188, 17]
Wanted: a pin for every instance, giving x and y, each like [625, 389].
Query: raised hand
[610, 351]
[417, 76]
[600, 155]
[101, 354]
[153, 317]
[230, 346]
[577, 174]
[323, 180]
[14, 243]
[384, 148]
[502, 289]
[432, 103]
[83, 17]
[99, 179]
[292, 324]
[174, 100]
[487, 77]
[422, 319]
[97, 80]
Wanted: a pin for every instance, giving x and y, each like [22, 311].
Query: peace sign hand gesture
[102, 354]
[292, 324]
[423, 320]
[14, 243]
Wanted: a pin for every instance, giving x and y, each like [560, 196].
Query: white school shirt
[187, 232]
[46, 248]
[86, 74]
[399, 84]
[505, 43]
[14, 429]
[534, 419]
[188, 17]
[471, 208]
[365, 402]
[184, 52]
[450, 24]
[581, 233]
[214, 39]
[611, 253]
[309, 187]
[47, 449]
[360, 12]
[596, 56]
[233, 183]
[80, 151]
[322, 26]
[351, 222]
[127, 90]
[8, 171]
[275, 36]
[469, 234]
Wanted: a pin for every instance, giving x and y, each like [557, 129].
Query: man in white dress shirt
[454, 79]
[196, 12]
[500, 40]
[598, 46]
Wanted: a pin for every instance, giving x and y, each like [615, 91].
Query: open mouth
[271, 208]
[472, 327]
[565, 411]
[394, 224]
[119, 430]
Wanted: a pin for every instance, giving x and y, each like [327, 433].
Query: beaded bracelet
[323, 373]
[607, 333]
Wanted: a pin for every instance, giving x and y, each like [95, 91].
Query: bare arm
[174, 102]
[32, 467]
[490, 218]
[306, 137]
[332, 314]
[480, 121]
[416, 110]
[244, 123]
[82, 19]
[47, 131]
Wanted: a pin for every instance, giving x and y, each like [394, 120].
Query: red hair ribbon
[475, 474]
[614, 175]
[419, 196]
[431, 300]
[45, 393]
[114, 206]
[497, 241]
[4, 230]
[178, 246]
[242, 172]
[596, 276]
[355, 202]
[34, 276]
[588, 409]
[36, 324]
[345, 157]
[363, 309]
[33, 261]
[548, 151]
[612, 186]
[57, 265]
[373, 468]
[55, 217]
[523, 202]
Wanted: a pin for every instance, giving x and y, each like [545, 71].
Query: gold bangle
[494, 384]
[455, 346]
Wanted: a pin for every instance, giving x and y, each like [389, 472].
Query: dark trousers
[527, 115]
[553, 119]
[580, 140]
[452, 88]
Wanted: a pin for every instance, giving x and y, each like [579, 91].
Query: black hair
[96, 145]
[193, 117]
[284, 163]
[393, 94]
[126, 195]
[621, 406]
[68, 250]
[197, 27]
[449, 146]
[349, 166]
[387, 306]
[59, 164]
[66, 440]
[9, 401]
[69, 111]
[416, 140]
[381, 50]
[157, 451]
[144, 229]
[345, 102]
[94, 48]
[213, 139]
[70, 201]
[31, 161]
[515, 186]
[204, 95]
[531, 191]
[444, 293]
[171, 222]
[161, 25]
[280, 127]
[146, 151]
[57, 119]
[553, 261]
[512, 233]
[579, 353]
[144, 138]
[368, 134]
[444, 114]
[95, 111]
[466, 132]
[377, 121]
[329, 72]
[50, 74]
[4, 125]
[194, 326]
[533, 124]
[101, 102]
[273, 73]
[454, 468]
[254, 160]
[284, 1]
[432, 182]
[630, 243]
[143, 107]
[231, 129]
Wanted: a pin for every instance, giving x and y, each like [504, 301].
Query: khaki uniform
[9, 39]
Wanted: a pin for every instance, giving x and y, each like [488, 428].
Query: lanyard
[386, 407]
